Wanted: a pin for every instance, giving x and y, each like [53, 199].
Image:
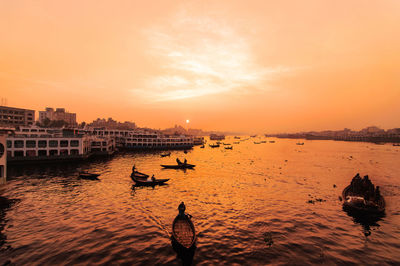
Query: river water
[253, 205]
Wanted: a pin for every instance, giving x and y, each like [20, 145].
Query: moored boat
[214, 145]
[228, 148]
[165, 154]
[300, 143]
[89, 176]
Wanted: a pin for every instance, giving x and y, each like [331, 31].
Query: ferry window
[18, 154]
[31, 153]
[74, 152]
[42, 143]
[18, 143]
[25, 130]
[33, 130]
[9, 144]
[64, 152]
[31, 143]
[64, 143]
[104, 143]
[42, 153]
[1, 150]
[53, 152]
[53, 143]
[74, 143]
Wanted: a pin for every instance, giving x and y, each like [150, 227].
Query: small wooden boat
[228, 148]
[300, 143]
[183, 232]
[139, 174]
[141, 181]
[236, 137]
[165, 154]
[255, 142]
[272, 141]
[363, 201]
[263, 141]
[202, 146]
[178, 166]
[236, 142]
[88, 176]
[396, 144]
[226, 144]
[214, 145]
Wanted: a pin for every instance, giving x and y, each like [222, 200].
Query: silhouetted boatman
[133, 169]
[181, 209]
[178, 161]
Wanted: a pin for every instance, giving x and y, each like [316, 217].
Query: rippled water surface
[249, 206]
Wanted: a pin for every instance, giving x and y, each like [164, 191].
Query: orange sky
[251, 66]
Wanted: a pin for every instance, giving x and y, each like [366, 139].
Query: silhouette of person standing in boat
[181, 209]
[133, 169]
[178, 161]
[185, 161]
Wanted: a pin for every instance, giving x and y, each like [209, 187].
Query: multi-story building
[58, 115]
[11, 116]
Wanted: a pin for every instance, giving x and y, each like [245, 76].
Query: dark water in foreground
[238, 199]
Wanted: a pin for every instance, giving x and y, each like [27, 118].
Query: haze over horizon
[241, 66]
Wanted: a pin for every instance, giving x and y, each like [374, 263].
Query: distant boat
[236, 137]
[236, 142]
[263, 141]
[142, 181]
[202, 146]
[217, 137]
[300, 143]
[183, 231]
[214, 145]
[228, 148]
[226, 144]
[253, 136]
[178, 166]
[396, 144]
[255, 142]
[88, 176]
[165, 154]
[272, 141]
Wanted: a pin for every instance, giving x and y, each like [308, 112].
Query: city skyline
[257, 67]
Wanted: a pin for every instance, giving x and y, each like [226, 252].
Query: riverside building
[13, 117]
[58, 115]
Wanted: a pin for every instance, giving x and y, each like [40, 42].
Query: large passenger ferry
[144, 139]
